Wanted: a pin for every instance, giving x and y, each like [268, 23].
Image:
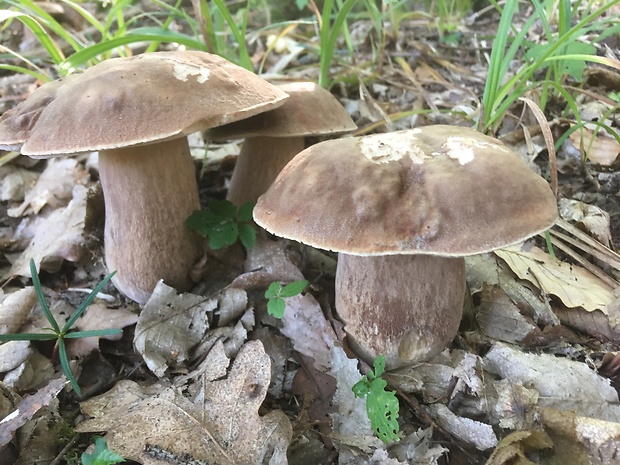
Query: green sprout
[66, 332]
[381, 405]
[276, 293]
[223, 223]
[102, 455]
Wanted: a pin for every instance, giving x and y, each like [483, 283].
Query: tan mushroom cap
[16, 123]
[439, 190]
[309, 110]
[144, 99]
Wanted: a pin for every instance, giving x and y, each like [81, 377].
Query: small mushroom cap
[143, 99]
[309, 110]
[439, 190]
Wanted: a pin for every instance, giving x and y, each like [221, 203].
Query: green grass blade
[329, 36]
[93, 333]
[39, 291]
[27, 337]
[52, 49]
[39, 73]
[82, 57]
[78, 311]
[84, 13]
[64, 363]
[22, 70]
[239, 34]
[32, 9]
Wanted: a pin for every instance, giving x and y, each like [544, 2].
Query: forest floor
[210, 377]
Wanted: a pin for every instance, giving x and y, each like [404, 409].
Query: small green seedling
[102, 455]
[276, 293]
[58, 333]
[381, 405]
[223, 223]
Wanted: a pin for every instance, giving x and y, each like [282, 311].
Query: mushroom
[137, 112]
[403, 209]
[273, 138]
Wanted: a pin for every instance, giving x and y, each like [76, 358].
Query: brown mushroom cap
[273, 138]
[147, 98]
[441, 190]
[16, 123]
[309, 110]
[136, 112]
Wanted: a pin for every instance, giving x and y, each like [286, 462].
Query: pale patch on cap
[381, 149]
[462, 148]
[183, 70]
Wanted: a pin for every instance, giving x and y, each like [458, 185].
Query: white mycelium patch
[183, 70]
[386, 148]
[462, 148]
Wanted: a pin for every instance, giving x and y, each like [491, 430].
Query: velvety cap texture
[309, 110]
[441, 190]
[147, 98]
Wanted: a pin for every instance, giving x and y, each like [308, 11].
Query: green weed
[276, 293]
[66, 332]
[223, 223]
[101, 455]
[381, 405]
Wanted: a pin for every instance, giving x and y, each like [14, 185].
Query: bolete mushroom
[273, 138]
[137, 112]
[402, 209]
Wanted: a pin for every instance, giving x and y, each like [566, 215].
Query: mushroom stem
[260, 161]
[406, 307]
[149, 191]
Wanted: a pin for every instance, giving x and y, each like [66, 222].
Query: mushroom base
[149, 191]
[406, 307]
[260, 161]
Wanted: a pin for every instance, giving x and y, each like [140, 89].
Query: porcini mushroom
[137, 112]
[402, 209]
[273, 138]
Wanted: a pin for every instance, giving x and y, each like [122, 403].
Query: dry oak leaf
[54, 187]
[573, 285]
[224, 429]
[57, 237]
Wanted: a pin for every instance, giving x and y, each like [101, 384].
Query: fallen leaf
[57, 237]
[584, 440]
[590, 217]
[169, 325]
[14, 309]
[27, 408]
[15, 181]
[600, 148]
[573, 285]
[266, 262]
[224, 429]
[562, 384]
[478, 434]
[99, 316]
[499, 318]
[54, 187]
[13, 354]
[305, 325]
[515, 448]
